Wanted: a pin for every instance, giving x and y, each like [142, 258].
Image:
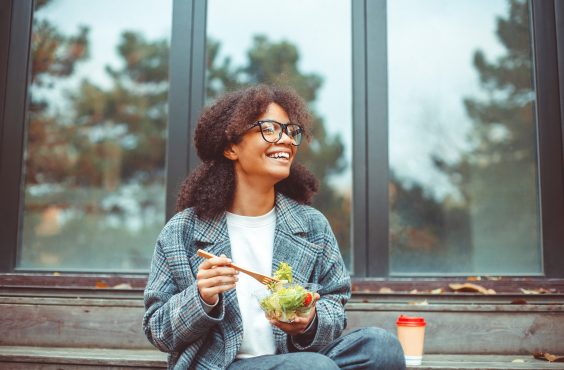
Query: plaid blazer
[175, 321]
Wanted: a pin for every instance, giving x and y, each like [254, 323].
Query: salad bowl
[287, 301]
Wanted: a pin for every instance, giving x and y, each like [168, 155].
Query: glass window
[253, 41]
[94, 194]
[463, 164]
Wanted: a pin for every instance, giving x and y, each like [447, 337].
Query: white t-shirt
[252, 241]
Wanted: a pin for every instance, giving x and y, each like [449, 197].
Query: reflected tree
[95, 154]
[497, 178]
[55, 56]
[493, 214]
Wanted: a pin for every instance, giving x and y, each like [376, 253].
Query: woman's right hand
[214, 277]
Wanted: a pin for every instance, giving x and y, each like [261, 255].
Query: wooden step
[25, 357]
[115, 322]
[31, 358]
[484, 362]
[495, 329]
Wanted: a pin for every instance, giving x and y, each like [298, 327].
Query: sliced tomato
[308, 298]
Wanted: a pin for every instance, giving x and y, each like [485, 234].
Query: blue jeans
[367, 348]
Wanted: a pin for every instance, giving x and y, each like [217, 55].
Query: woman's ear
[230, 153]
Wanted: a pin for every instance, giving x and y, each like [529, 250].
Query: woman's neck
[252, 201]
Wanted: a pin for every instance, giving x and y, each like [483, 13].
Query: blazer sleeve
[336, 291]
[175, 318]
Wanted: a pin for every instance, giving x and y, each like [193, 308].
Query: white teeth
[279, 155]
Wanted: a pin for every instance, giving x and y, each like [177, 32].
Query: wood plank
[504, 284]
[479, 332]
[9, 365]
[457, 298]
[76, 325]
[443, 307]
[484, 362]
[452, 328]
[139, 358]
[85, 358]
[361, 285]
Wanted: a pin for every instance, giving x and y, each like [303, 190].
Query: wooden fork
[263, 279]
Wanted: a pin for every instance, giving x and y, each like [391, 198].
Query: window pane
[96, 134]
[463, 185]
[285, 47]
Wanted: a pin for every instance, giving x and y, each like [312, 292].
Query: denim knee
[310, 361]
[384, 346]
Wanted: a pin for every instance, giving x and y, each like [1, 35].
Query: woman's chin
[280, 175]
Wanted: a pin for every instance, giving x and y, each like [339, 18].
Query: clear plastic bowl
[289, 302]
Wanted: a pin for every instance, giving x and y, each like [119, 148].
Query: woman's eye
[294, 132]
[268, 130]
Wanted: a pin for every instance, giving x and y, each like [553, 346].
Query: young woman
[247, 202]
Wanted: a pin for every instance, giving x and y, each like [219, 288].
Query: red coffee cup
[411, 334]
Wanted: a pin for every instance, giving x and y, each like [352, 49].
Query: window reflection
[287, 48]
[96, 135]
[463, 191]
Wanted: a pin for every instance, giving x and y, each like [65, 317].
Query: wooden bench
[54, 328]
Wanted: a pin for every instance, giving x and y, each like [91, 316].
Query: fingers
[217, 281]
[215, 277]
[209, 294]
[296, 327]
[217, 271]
[215, 261]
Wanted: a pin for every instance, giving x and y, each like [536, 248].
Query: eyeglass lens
[272, 132]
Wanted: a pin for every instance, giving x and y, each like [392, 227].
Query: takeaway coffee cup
[411, 334]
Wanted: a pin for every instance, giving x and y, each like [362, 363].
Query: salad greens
[287, 300]
[284, 272]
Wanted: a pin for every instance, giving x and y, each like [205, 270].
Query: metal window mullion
[377, 138]
[359, 243]
[13, 131]
[549, 137]
[178, 135]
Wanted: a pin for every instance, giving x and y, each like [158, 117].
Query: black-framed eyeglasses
[271, 131]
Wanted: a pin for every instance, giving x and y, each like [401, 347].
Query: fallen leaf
[419, 303]
[101, 284]
[548, 357]
[414, 291]
[546, 291]
[386, 290]
[469, 287]
[537, 291]
[519, 301]
[122, 286]
[520, 360]
[474, 278]
[56, 273]
[493, 277]
[437, 291]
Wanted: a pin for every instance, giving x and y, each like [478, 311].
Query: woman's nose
[285, 138]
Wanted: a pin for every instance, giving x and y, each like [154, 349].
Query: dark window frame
[370, 132]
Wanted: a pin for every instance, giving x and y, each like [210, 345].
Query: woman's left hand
[299, 325]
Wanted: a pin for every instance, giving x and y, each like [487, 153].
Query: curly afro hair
[211, 187]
